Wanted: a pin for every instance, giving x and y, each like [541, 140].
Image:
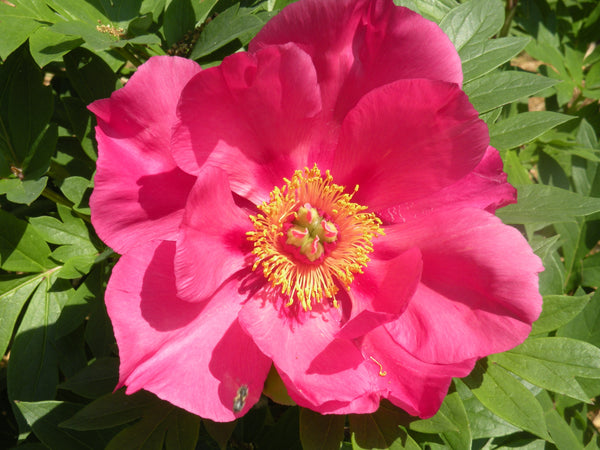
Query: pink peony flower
[322, 203]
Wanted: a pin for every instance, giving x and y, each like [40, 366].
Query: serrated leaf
[541, 204]
[14, 292]
[498, 89]
[475, 20]
[44, 417]
[381, 429]
[21, 248]
[524, 128]
[481, 57]
[557, 311]
[321, 432]
[506, 397]
[95, 380]
[553, 364]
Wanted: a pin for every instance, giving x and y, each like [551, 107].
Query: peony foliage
[311, 224]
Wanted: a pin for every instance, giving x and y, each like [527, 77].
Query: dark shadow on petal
[164, 193]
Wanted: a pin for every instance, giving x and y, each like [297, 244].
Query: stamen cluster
[311, 239]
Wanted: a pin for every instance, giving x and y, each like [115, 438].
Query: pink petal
[382, 293]
[407, 140]
[212, 245]
[483, 188]
[359, 45]
[254, 116]
[193, 355]
[415, 386]
[316, 367]
[139, 192]
[479, 289]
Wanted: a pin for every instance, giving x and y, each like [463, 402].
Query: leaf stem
[509, 13]
[59, 199]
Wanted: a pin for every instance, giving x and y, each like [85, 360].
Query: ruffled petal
[483, 188]
[316, 367]
[415, 386]
[193, 355]
[212, 244]
[479, 289]
[255, 116]
[383, 291]
[139, 192]
[407, 140]
[359, 45]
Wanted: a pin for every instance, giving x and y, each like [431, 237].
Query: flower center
[311, 239]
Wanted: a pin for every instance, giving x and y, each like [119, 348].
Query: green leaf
[49, 46]
[72, 230]
[321, 432]
[557, 311]
[44, 417]
[182, 17]
[473, 21]
[26, 106]
[498, 89]
[22, 191]
[219, 431]
[539, 204]
[381, 429]
[482, 422]
[112, 410]
[77, 190]
[228, 26]
[585, 326]
[524, 128]
[506, 397]
[561, 433]
[434, 425]
[481, 57]
[553, 363]
[19, 19]
[33, 369]
[22, 249]
[91, 77]
[14, 292]
[453, 408]
[95, 380]
[430, 9]
[37, 161]
[591, 271]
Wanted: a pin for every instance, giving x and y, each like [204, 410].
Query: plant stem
[59, 199]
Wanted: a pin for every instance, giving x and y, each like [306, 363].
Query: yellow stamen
[382, 373]
[302, 280]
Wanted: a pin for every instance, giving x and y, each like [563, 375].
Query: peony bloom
[322, 204]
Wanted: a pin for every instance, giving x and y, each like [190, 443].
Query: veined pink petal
[193, 355]
[479, 289]
[212, 245]
[315, 366]
[415, 386]
[254, 116]
[484, 188]
[139, 192]
[407, 140]
[359, 45]
[383, 291]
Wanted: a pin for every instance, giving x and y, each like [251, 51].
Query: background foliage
[532, 69]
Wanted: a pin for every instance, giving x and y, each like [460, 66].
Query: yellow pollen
[301, 280]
